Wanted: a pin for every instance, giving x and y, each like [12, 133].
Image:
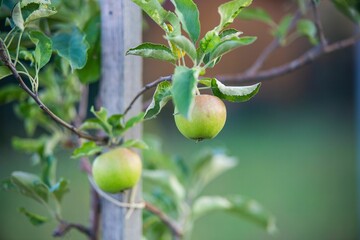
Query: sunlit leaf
[135, 143]
[161, 96]
[238, 205]
[184, 44]
[86, 149]
[166, 181]
[42, 12]
[27, 2]
[4, 72]
[156, 51]
[17, 17]
[43, 50]
[229, 11]
[188, 14]
[234, 93]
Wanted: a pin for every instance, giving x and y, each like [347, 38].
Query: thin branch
[318, 24]
[175, 229]
[145, 88]
[271, 47]
[306, 58]
[65, 227]
[6, 60]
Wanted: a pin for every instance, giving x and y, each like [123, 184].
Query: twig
[318, 24]
[271, 47]
[165, 219]
[306, 58]
[145, 88]
[6, 60]
[65, 227]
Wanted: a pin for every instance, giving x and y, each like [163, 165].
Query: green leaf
[134, 120]
[230, 33]
[35, 219]
[17, 17]
[157, 13]
[43, 50]
[234, 94]
[184, 44]
[256, 14]
[209, 41]
[48, 169]
[207, 168]
[27, 2]
[42, 12]
[156, 51]
[93, 124]
[308, 29]
[161, 96]
[135, 143]
[350, 8]
[73, 47]
[229, 45]
[229, 11]
[188, 14]
[86, 149]
[4, 72]
[7, 185]
[101, 115]
[283, 28]
[60, 189]
[167, 181]
[183, 90]
[240, 206]
[29, 145]
[31, 186]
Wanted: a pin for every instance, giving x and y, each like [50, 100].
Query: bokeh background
[295, 141]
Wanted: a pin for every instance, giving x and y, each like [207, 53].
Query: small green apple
[117, 170]
[207, 118]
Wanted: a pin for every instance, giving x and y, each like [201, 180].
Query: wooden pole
[121, 80]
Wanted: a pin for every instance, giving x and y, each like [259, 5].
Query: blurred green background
[295, 143]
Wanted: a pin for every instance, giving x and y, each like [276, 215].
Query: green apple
[207, 118]
[117, 170]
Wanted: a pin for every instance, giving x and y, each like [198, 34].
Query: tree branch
[306, 58]
[65, 227]
[173, 226]
[318, 24]
[7, 62]
[145, 88]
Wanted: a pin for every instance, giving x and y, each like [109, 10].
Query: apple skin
[117, 170]
[207, 118]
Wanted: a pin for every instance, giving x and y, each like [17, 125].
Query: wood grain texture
[120, 81]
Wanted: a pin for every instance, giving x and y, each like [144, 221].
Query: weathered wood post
[121, 80]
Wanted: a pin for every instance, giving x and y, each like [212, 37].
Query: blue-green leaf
[161, 96]
[151, 50]
[234, 93]
[229, 11]
[73, 47]
[43, 50]
[183, 90]
[240, 206]
[188, 14]
[60, 189]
